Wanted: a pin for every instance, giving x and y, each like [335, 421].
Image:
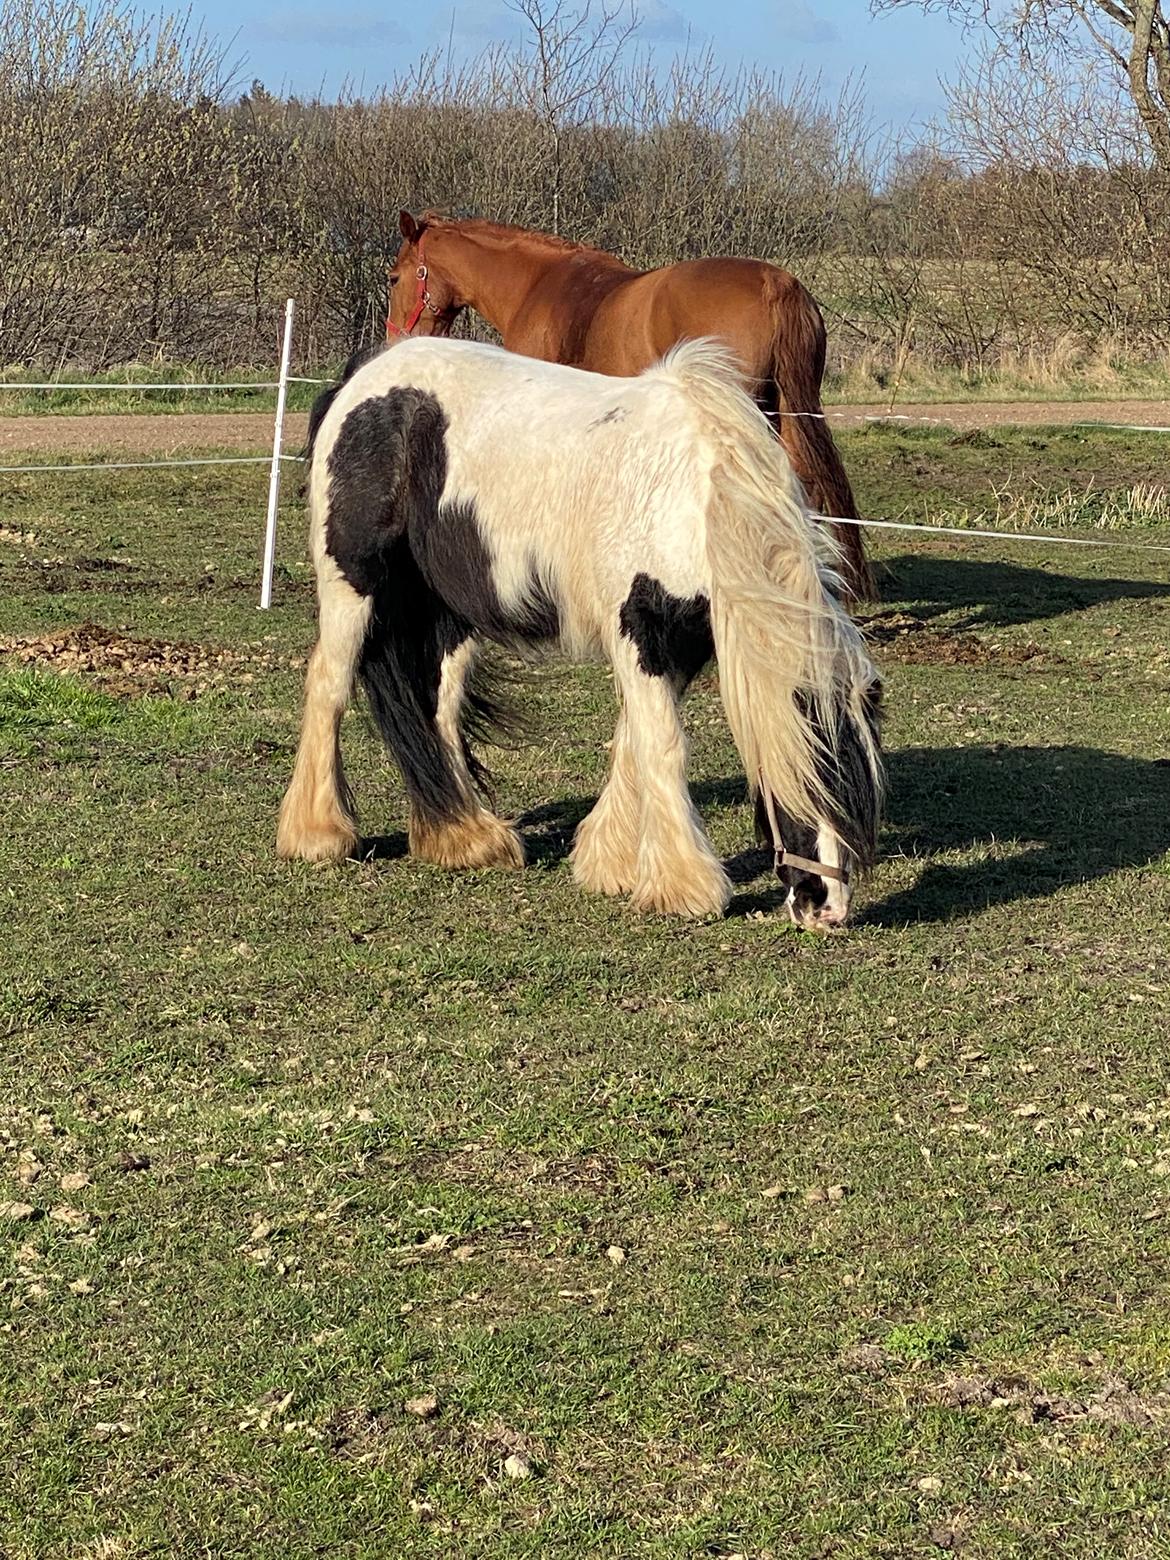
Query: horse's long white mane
[788, 652]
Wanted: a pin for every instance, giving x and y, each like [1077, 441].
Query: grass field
[376, 1212]
[867, 381]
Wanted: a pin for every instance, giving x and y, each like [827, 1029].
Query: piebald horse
[461, 495]
[567, 303]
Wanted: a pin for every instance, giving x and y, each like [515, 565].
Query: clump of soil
[976, 439]
[126, 666]
[902, 637]
[1115, 1402]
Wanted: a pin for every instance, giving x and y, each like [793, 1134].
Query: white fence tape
[278, 456]
[13, 388]
[1045, 538]
[946, 422]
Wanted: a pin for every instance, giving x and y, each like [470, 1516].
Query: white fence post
[274, 474]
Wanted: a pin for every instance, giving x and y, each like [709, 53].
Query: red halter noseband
[422, 301]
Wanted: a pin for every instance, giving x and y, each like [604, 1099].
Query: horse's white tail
[791, 661]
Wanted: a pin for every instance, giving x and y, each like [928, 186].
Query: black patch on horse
[325, 400]
[425, 565]
[401, 662]
[450, 551]
[810, 890]
[386, 468]
[845, 773]
[672, 634]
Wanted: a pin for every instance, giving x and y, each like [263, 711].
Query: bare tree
[1132, 36]
[1062, 188]
[575, 55]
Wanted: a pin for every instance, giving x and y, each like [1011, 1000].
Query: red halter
[422, 301]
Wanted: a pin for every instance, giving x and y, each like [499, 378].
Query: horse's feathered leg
[605, 851]
[466, 834]
[317, 819]
[677, 872]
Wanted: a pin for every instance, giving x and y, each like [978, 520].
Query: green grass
[742, 1241]
[872, 381]
[36, 403]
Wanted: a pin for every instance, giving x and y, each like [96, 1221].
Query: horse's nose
[818, 913]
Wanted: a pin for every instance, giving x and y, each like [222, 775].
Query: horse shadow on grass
[382, 847]
[997, 595]
[1056, 817]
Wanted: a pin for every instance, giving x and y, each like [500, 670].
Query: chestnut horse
[568, 303]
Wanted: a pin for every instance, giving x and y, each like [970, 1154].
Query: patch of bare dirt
[867, 1359]
[1115, 1402]
[146, 433]
[353, 1433]
[901, 637]
[164, 434]
[126, 666]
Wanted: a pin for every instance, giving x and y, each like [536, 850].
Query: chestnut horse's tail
[798, 365]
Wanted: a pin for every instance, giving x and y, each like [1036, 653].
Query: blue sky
[304, 44]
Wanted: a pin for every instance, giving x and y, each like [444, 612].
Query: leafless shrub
[150, 209]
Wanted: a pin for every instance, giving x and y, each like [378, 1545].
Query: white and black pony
[460, 495]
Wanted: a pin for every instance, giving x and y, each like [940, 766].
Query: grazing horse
[568, 303]
[460, 494]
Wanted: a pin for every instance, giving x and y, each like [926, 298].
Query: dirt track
[251, 432]
[160, 435]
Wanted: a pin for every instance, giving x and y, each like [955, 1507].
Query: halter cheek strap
[422, 301]
[788, 858]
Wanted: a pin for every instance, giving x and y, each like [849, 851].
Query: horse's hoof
[477, 840]
[320, 844]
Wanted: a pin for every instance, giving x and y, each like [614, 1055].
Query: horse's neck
[491, 279]
[495, 279]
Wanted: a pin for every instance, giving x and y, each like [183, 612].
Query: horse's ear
[408, 227]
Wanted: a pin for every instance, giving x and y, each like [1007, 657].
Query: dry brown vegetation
[1022, 235]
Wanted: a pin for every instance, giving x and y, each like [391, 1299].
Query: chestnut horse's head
[423, 302]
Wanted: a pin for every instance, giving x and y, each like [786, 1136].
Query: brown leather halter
[788, 858]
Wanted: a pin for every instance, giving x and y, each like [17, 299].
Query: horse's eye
[394, 281]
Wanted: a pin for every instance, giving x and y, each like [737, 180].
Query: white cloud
[661, 23]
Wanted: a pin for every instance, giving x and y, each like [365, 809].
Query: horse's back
[570, 480]
[732, 299]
